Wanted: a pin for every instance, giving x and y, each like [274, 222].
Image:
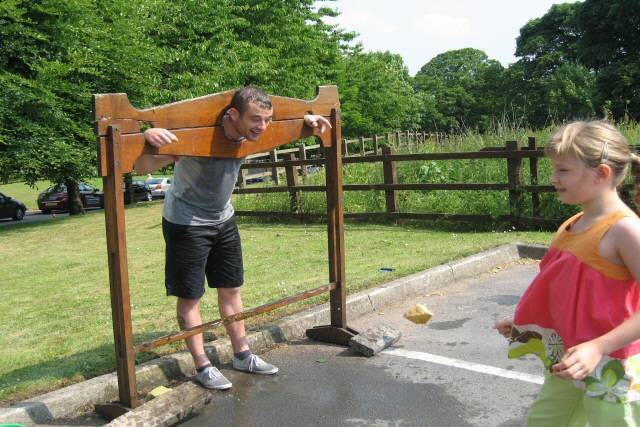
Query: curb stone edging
[73, 399]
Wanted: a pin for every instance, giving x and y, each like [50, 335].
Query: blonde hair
[594, 143]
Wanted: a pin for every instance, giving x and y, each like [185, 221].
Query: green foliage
[460, 90]
[376, 94]
[571, 88]
[56, 53]
[579, 60]
[611, 47]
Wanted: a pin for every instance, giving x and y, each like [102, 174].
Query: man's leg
[188, 317]
[230, 302]
[207, 375]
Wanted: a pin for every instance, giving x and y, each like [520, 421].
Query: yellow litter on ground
[158, 391]
[419, 314]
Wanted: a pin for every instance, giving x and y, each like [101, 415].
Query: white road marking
[470, 366]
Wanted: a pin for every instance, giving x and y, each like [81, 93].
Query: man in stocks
[201, 234]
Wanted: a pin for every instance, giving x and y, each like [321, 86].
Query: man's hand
[579, 361]
[314, 121]
[159, 137]
[504, 327]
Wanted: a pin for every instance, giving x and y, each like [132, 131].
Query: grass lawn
[57, 319]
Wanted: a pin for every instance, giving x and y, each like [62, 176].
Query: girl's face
[574, 181]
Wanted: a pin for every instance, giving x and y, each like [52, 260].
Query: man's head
[250, 113]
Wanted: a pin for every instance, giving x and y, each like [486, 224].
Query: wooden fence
[295, 163]
[358, 146]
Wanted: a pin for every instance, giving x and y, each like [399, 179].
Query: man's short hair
[250, 94]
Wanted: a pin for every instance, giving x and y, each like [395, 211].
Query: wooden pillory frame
[197, 124]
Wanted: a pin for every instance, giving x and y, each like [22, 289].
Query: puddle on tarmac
[503, 299]
[451, 324]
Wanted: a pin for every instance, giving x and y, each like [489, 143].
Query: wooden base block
[332, 334]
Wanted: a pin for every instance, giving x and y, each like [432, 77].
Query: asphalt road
[451, 372]
[37, 216]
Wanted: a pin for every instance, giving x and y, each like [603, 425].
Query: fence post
[242, 178]
[273, 155]
[398, 138]
[302, 155]
[533, 169]
[635, 173]
[345, 149]
[375, 145]
[362, 151]
[390, 177]
[516, 182]
[293, 181]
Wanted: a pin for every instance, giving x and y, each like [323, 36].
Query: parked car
[141, 191]
[11, 208]
[159, 186]
[55, 198]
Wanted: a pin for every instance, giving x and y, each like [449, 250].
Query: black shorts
[193, 252]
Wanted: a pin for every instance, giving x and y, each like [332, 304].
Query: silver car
[159, 186]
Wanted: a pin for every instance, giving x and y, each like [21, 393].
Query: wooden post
[398, 138]
[390, 177]
[274, 170]
[242, 178]
[302, 155]
[516, 182]
[128, 185]
[533, 169]
[119, 272]
[635, 173]
[337, 332]
[293, 181]
[345, 149]
[362, 150]
[375, 145]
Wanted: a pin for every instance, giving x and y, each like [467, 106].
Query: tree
[376, 94]
[465, 86]
[610, 45]
[544, 45]
[57, 54]
[570, 92]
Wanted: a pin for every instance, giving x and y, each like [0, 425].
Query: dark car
[141, 191]
[11, 208]
[55, 198]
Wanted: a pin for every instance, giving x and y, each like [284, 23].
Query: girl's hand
[579, 361]
[504, 327]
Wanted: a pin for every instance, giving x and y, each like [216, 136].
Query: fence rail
[296, 161]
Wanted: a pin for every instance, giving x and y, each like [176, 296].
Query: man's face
[253, 122]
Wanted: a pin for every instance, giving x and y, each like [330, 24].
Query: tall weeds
[438, 171]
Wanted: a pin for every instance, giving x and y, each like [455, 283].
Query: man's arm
[150, 163]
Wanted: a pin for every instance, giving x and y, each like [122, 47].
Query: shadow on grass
[28, 381]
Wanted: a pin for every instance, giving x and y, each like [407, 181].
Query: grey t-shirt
[200, 193]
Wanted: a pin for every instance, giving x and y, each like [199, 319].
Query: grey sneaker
[255, 365]
[211, 378]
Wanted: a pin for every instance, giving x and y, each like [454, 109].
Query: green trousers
[562, 404]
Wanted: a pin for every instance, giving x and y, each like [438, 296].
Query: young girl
[581, 314]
